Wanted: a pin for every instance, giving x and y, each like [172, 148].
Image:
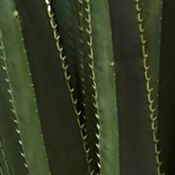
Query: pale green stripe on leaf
[23, 98]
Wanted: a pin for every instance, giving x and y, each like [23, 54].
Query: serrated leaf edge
[67, 76]
[149, 89]
[11, 100]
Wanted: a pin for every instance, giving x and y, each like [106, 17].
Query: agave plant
[85, 87]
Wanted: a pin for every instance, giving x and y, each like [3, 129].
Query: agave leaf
[100, 92]
[151, 13]
[67, 20]
[91, 104]
[136, 138]
[106, 88]
[92, 113]
[58, 118]
[8, 134]
[18, 99]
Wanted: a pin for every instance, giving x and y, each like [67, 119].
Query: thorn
[95, 105]
[47, 2]
[142, 37]
[62, 57]
[144, 51]
[15, 121]
[13, 111]
[7, 80]
[153, 118]
[56, 35]
[18, 131]
[151, 108]
[90, 160]
[139, 17]
[81, 15]
[59, 48]
[87, 9]
[78, 113]
[9, 91]
[98, 136]
[53, 23]
[15, 13]
[149, 98]
[22, 154]
[87, 150]
[149, 89]
[91, 66]
[20, 142]
[157, 149]
[98, 126]
[154, 128]
[138, 8]
[92, 172]
[2, 58]
[98, 155]
[65, 67]
[89, 43]
[141, 29]
[26, 166]
[80, 1]
[82, 126]
[99, 165]
[85, 137]
[94, 85]
[11, 101]
[98, 146]
[68, 77]
[97, 116]
[4, 68]
[145, 64]
[147, 76]
[49, 11]
[89, 31]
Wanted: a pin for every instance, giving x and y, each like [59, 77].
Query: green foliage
[20, 127]
[79, 88]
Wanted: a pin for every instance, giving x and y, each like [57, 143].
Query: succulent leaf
[134, 86]
[86, 87]
[106, 88]
[21, 114]
[150, 12]
[57, 105]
